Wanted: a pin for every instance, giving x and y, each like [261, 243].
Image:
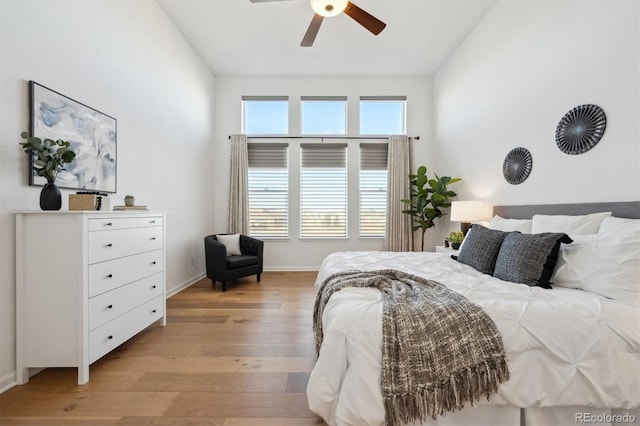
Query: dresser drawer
[104, 224]
[107, 306]
[112, 244]
[106, 276]
[112, 334]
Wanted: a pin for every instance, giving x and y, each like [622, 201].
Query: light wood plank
[169, 349]
[308, 421]
[250, 337]
[87, 404]
[297, 382]
[52, 421]
[171, 421]
[66, 380]
[270, 405]
[212, 382]
[209, 364]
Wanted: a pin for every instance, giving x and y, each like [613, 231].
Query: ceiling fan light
[329, 8]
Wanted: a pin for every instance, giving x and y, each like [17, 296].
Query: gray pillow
[529, 258]
[481, 247]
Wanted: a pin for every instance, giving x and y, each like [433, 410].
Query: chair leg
[258, 277]
[224, 286]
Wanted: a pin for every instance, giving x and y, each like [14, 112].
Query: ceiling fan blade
[368, 21]
[312, 31]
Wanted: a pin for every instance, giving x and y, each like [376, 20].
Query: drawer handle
[153, 286]
[109, 245]
[152, 238]
[153, 263]
[109, 306]
[109, 224]
[152, 221]
[110, 337]
[110, 276]
[154, 311]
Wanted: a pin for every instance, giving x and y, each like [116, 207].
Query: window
[323, 190]
[265, 115]
[383, 115]
[324, 115]
[373, 189]
[309, 188]
[268, 190]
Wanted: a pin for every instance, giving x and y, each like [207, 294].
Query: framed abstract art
[91, 133]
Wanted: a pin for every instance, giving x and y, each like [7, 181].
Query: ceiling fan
[329, 8]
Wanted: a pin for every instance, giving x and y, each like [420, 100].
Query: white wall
[124, 58]
[514, 77]
[295, 254]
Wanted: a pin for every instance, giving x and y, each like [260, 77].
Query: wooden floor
[236, 358]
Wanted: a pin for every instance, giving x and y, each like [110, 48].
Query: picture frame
[91, 133]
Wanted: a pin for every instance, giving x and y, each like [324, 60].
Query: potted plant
[455, 238]
[49, 157]
[429, 199]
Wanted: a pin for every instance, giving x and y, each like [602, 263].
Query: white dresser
[85, 283]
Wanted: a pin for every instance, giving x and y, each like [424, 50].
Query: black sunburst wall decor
[580, 129]
[517, 165]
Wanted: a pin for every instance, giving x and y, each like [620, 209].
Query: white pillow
[232, 243]
[571, 225]
[569, 270]
[619, 225]
[607, 263]
[509, 225]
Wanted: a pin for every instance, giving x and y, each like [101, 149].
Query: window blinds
[323, 190]
[373, 190]
[268, 190]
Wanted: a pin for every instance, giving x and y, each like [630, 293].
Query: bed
[573, 351]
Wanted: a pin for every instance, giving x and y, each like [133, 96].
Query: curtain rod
[417, 138]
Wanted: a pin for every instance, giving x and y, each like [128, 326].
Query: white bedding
[564, 347]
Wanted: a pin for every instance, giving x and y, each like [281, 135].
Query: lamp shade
[328, 8]
[470, 211]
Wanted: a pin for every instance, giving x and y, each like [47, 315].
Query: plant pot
[50, 197]
[455, 246]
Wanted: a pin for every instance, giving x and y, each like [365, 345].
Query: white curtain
[238, 220]
[398, 236]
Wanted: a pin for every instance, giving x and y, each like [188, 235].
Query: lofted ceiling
[237, 37]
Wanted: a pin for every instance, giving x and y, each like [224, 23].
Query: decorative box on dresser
[85, 283]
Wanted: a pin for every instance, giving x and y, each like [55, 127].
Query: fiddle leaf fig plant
[429, 199]
[49, 156]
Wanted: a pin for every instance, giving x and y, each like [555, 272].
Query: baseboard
[182, 286]
[7, 382]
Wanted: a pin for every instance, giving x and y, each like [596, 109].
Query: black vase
[50, 197]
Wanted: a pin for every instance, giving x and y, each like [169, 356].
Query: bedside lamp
[470, 211]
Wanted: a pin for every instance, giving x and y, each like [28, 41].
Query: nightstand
[443, 249]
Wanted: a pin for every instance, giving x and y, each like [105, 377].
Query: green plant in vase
[49, 158]
[429, 199]
[456, 238]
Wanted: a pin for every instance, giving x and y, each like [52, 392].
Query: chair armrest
[215, 254]
[251, 246]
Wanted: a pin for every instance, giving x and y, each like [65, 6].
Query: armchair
[223, 268]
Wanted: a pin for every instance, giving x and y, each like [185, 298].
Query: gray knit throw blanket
[439, 350]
